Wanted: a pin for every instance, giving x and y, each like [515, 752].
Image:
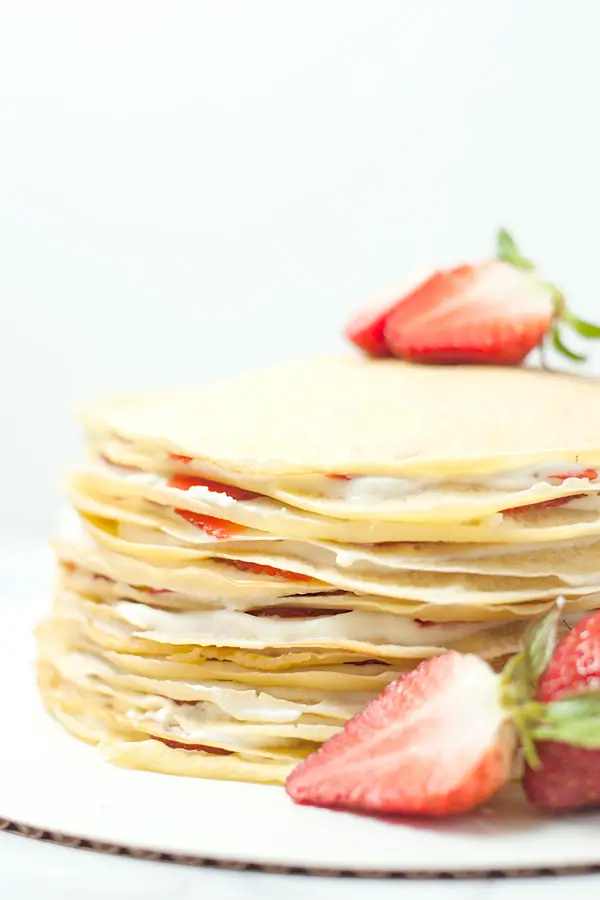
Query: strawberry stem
[563, 349]
[508, 251]
[518, 684]
[572, 720]
[541, 643]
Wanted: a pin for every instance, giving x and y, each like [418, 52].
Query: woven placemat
[79, 843]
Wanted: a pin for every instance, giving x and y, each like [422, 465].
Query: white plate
[51, 781]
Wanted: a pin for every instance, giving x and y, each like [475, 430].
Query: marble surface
[30, 868]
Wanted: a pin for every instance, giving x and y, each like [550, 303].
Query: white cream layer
[367, 490]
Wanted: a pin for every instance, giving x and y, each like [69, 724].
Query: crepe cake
[244, 566]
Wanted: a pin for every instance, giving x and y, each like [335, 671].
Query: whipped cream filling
[369, 490]
[230, 628]
[216, 701]
[191, 723]
[366, 489]
[363, 559]
[227, 627]
[263, 506]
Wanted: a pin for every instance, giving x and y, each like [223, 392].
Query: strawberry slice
[185, 482]
[217, 528]
[590, 474]
[179, 457]
[178, 745]
[545, 504]
[260, 569]
[435, 742]
[293, 612]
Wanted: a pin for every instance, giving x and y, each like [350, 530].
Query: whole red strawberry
[567, 774]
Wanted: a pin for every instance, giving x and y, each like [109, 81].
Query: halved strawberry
[185, 482]
[494, 312]
[435, 742]
[442, 739]
[489, 313]
[366, 330]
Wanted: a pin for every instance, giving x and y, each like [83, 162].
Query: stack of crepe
[248, 564]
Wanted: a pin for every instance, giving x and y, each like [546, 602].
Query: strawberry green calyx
[507, 251]
[563, 315]
[521, 674]
[571, 720]
[518, 682]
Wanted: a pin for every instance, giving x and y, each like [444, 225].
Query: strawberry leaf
[573, 720]
[540, 643]
[564, 350]
[507, 251]
[585, 329]
[519, 681]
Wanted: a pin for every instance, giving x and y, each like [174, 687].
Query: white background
[191, 188]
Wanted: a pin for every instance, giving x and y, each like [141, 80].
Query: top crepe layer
[361, 416]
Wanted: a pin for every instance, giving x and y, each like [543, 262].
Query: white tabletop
[31, 868]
